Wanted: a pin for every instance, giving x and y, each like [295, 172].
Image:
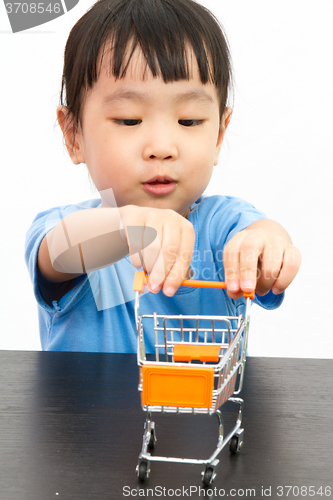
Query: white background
[277, 154]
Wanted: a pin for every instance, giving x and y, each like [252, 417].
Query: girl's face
[154, 143]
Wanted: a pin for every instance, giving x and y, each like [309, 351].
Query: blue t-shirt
[97, 313]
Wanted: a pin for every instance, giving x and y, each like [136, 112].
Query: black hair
[162, 29]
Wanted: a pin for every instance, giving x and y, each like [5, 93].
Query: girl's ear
[71, 135]
[223, 127]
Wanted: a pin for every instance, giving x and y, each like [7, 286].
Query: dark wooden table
[71, 427]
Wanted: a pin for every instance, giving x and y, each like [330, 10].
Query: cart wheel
[208, 476]
[233, 445]
[152, 440]
[142, 470]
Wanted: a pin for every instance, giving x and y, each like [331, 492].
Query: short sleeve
[41, 225]
[234, 215]
[231, 216]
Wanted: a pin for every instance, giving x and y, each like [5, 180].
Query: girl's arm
[82, 241]
[160, 240]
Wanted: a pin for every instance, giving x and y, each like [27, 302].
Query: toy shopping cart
[194, 369]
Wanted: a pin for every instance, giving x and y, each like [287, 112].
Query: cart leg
[209, 474]
[219, 416]
[239, 401]
[148, 441]
[236, 442]
[149, 437]
[149, 432]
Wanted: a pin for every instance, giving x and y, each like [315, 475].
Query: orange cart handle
[141, 280]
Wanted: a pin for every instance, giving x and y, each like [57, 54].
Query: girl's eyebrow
[143, 97]
[194, 95]
[125, 94]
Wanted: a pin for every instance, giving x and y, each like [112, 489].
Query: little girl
[144, 106]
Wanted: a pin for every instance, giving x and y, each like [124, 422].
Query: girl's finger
[270, 267]
[167, 255]
[134, 237]
[231, 267]
[290, 266]
[251, 248]
[151, 251]
[180, 266]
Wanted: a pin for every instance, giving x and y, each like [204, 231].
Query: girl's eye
[128, 123]
[190, 123]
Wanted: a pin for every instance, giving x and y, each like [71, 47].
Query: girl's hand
[167, 257]
[260, 258]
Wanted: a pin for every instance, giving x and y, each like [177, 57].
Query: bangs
[169, 33]
[155, 29]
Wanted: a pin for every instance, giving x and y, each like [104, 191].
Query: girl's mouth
[160, 186]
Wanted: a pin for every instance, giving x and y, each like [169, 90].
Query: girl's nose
[160, 145]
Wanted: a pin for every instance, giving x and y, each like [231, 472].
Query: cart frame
[212, 359]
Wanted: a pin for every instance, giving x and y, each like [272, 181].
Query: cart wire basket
[197, 366]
